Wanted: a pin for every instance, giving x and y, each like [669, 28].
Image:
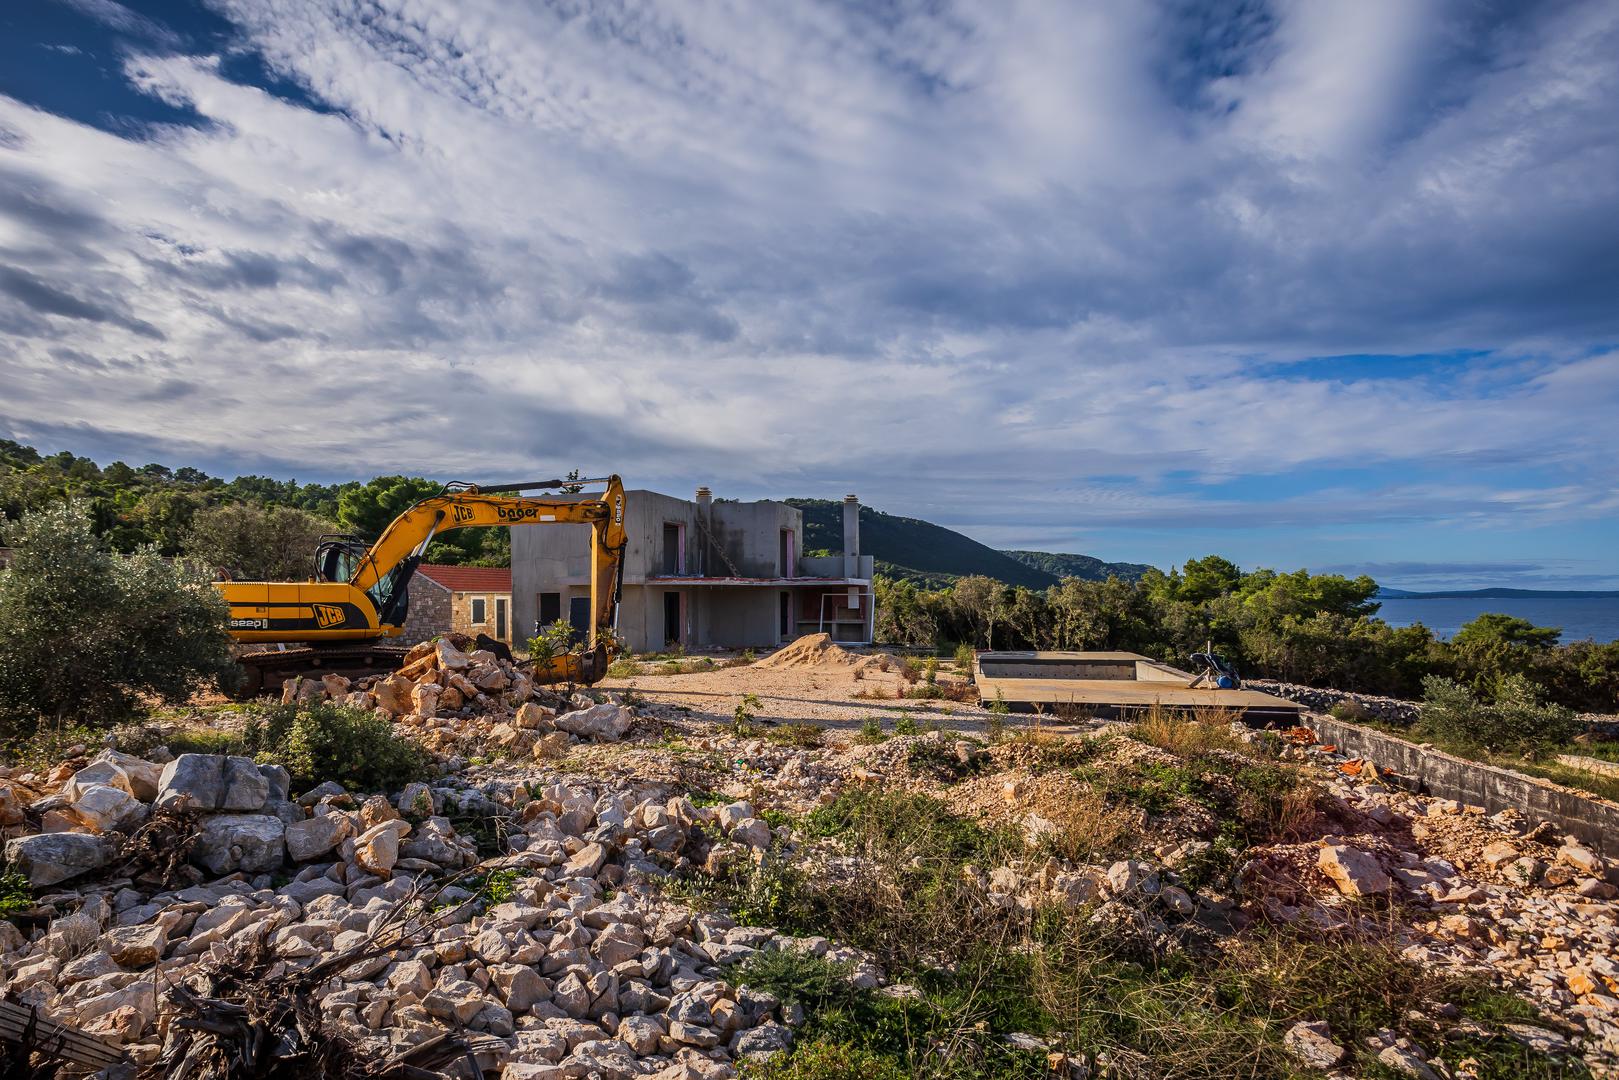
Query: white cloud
[789, 246]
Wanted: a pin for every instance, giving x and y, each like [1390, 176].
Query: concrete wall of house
[546, 558]
[1595, 822]
[430, 609]
[751, 533]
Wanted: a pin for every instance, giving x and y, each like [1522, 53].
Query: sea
[1594, 617]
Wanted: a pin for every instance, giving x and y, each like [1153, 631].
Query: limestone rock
[250, 842]
[1311, 1043]
[376, 850]
[753, 832]
[135, 946]
[450, 658]
[316, 836]
[49, 858]
[393, 694]
[533, 716]
[605, 723]
[105, 808]
[214, 782]
[1355, 872]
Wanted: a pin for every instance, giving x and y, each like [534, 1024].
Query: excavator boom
[360, 595]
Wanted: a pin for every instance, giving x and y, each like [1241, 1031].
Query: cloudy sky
[1307, 283]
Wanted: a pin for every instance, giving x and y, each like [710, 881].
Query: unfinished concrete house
[701, 574]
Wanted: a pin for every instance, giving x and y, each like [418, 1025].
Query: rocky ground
[572, 924]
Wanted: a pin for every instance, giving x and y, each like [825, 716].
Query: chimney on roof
[851, 536]
[705, 527]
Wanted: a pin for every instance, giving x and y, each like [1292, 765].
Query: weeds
[742, 719]
[805, 735]
[16, 896]
[964, 659]
[871, 732]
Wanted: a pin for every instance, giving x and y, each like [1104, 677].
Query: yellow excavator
[340, 620]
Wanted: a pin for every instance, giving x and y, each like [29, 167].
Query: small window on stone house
[478, 612]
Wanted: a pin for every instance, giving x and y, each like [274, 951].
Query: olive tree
[255, 543]
[85, 634]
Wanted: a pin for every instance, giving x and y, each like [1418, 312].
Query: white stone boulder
[217, 782]
[314, 837]
[250, 842]
[604, 723]
[49, 858]
[1355, 872]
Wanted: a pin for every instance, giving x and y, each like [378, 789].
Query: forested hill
[1087, 567]
[921, 551]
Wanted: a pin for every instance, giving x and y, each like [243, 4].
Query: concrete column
[698, 545]
[851, 536]
[851, 560]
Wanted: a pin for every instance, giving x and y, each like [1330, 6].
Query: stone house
[465, 599]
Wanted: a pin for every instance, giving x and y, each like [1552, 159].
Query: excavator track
[265, 670]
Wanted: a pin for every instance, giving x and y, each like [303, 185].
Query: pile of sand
[818, 650]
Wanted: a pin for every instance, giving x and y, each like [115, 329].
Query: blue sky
[1315, 283]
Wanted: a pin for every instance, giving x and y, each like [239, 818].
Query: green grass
[15, 894]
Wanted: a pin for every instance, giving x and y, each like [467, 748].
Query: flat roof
[1052, 655]
[1128, 693]
[779, 581]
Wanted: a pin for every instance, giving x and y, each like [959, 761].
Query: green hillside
[929, 554]
[1087, 567]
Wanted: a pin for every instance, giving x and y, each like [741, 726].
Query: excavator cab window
[338, 557]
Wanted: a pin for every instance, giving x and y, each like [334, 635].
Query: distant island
[1386, 593]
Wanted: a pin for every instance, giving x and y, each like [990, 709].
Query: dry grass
[873, 693]
[1184, 735]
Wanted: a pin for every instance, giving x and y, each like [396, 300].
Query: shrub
[805, 735]
[550, 642]
[1515, 722]
[964, 659]
[799, 978]
[351, 746]
[16, 895]
[871, 731]
[1350, 711]
[747, 709]
[87, 634]
[256, 543]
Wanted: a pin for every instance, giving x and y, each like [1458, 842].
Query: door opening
[500, 618]
[550, 608]
[786, 616]
[671, 618]
[673, 557]
[579, 618]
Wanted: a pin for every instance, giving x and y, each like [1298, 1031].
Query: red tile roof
[469, 578]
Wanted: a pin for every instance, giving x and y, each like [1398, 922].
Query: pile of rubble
[1480, 893]
[234, 816]
[572, 966]
[456, 701]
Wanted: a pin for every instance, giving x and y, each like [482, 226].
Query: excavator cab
[338, 556]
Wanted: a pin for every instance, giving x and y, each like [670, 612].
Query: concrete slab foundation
[1111, 685]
